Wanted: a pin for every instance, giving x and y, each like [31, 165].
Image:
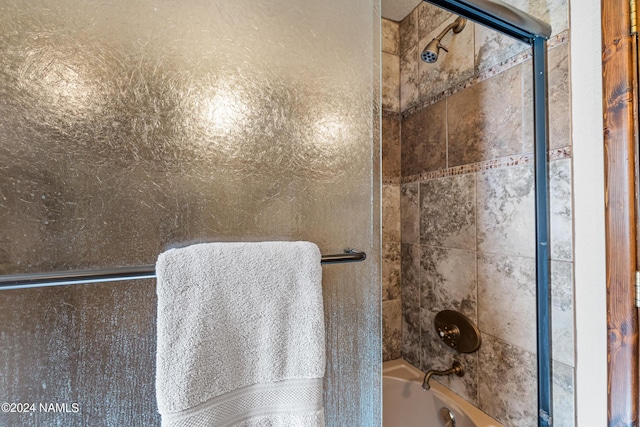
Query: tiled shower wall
[391, 305]
[467, 209]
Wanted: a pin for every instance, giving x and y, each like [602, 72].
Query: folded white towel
[240, 335]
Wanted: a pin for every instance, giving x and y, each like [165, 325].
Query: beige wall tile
[390, 213]
[430, 17]
[563, 386]
[562, 328]
[448, 212]
[390, 37]
[485, 120]
[390, 82]
[506, 211]
[561, 217]
[409, 78]
[507, 299]
[390, 271]
[449, 280]
[391, 330]
[507, 383]
[410, 213]
[451, 67]
[390, 147]
[559, 103]
[424, 140]
[439, 356]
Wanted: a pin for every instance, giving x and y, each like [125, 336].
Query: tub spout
[455, 369]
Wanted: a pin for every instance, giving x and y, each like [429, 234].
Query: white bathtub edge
[402, 370]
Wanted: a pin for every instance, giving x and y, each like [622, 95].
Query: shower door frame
[517, 24]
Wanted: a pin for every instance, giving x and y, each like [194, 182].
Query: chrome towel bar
[75, 277]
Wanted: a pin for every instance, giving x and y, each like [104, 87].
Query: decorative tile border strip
[500, 163]
[391, 180]
[521, 57]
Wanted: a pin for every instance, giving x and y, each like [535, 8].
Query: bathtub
[406, 404]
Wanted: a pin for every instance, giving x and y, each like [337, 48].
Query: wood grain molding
[618, 97]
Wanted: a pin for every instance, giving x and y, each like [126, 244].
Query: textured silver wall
[128, 127]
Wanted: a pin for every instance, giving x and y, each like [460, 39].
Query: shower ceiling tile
[396, 10]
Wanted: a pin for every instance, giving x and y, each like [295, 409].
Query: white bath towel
[240, 335]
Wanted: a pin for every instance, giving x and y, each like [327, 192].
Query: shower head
[430, 53]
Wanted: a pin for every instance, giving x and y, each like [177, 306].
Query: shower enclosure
[126, 128]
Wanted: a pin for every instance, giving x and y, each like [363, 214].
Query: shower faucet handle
[457, 331]
[441, 46]
[449, 334]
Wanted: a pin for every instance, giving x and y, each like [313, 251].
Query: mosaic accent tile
[390, 213]
[411, 348]
[448, 213]
[562, 315]
[561, 221]
[390, 147]
[430, 18]
[424, 143]
[507, 383]
[559, 99]
[410, 213]
[390, 37]
[451, 67]
[390, 82]
[507, 299]
[563, 387]
[390, 271]
[437, 355]
[391, 330]
[449, 280]
[500, 163]
[506, 211]
[485, 120]
[410, 274]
